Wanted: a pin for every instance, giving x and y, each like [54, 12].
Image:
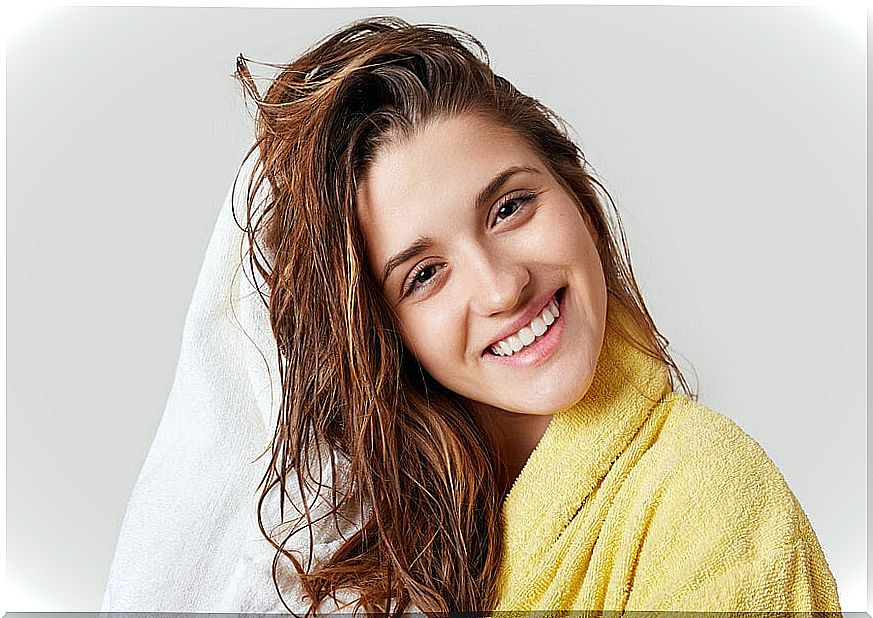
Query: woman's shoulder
[708, 442]
[710, 467]
[721, 512]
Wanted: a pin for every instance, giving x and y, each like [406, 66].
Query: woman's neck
[515, 435]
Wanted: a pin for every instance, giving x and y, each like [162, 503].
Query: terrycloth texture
[189, 541]
[640, 499]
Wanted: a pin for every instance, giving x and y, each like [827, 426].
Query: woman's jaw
[555, 371]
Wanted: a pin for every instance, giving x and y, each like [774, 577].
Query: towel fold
[189, 541]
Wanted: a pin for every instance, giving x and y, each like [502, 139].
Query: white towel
[189, 541]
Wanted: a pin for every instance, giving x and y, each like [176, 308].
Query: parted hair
[431, 478]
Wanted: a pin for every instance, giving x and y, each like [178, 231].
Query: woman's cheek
[425, 334]
[554, 236]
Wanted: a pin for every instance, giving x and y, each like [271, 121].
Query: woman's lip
[536, 308]
[542, 348]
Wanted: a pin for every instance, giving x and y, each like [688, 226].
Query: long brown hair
[416, 456]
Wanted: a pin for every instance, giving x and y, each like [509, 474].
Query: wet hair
[415, 455]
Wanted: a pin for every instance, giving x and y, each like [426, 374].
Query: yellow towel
[640, 499]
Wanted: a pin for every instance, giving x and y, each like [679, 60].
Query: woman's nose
[495, 283]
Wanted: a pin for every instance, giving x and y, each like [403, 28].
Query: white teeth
[526, 336]
[548, 318]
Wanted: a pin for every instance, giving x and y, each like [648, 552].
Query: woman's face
[491, 267]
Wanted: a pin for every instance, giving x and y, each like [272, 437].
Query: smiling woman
[495, 271]
[476, 411]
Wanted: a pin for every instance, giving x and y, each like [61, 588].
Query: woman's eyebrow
[499, 180]
[422, 243]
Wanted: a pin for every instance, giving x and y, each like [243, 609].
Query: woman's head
[475, 244]
[377, 147]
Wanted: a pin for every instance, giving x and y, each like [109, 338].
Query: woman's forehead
[442, 166]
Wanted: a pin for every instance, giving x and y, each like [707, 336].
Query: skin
[484, 267]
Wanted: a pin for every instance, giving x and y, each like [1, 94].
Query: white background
[733, 140]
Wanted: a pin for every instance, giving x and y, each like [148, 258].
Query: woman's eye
[421, 278]
[424, 274]
[508, 207]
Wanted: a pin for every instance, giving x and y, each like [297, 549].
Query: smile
[534, 343]
[530, 333]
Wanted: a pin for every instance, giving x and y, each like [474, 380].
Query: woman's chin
[543, 402]
[561, 392]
